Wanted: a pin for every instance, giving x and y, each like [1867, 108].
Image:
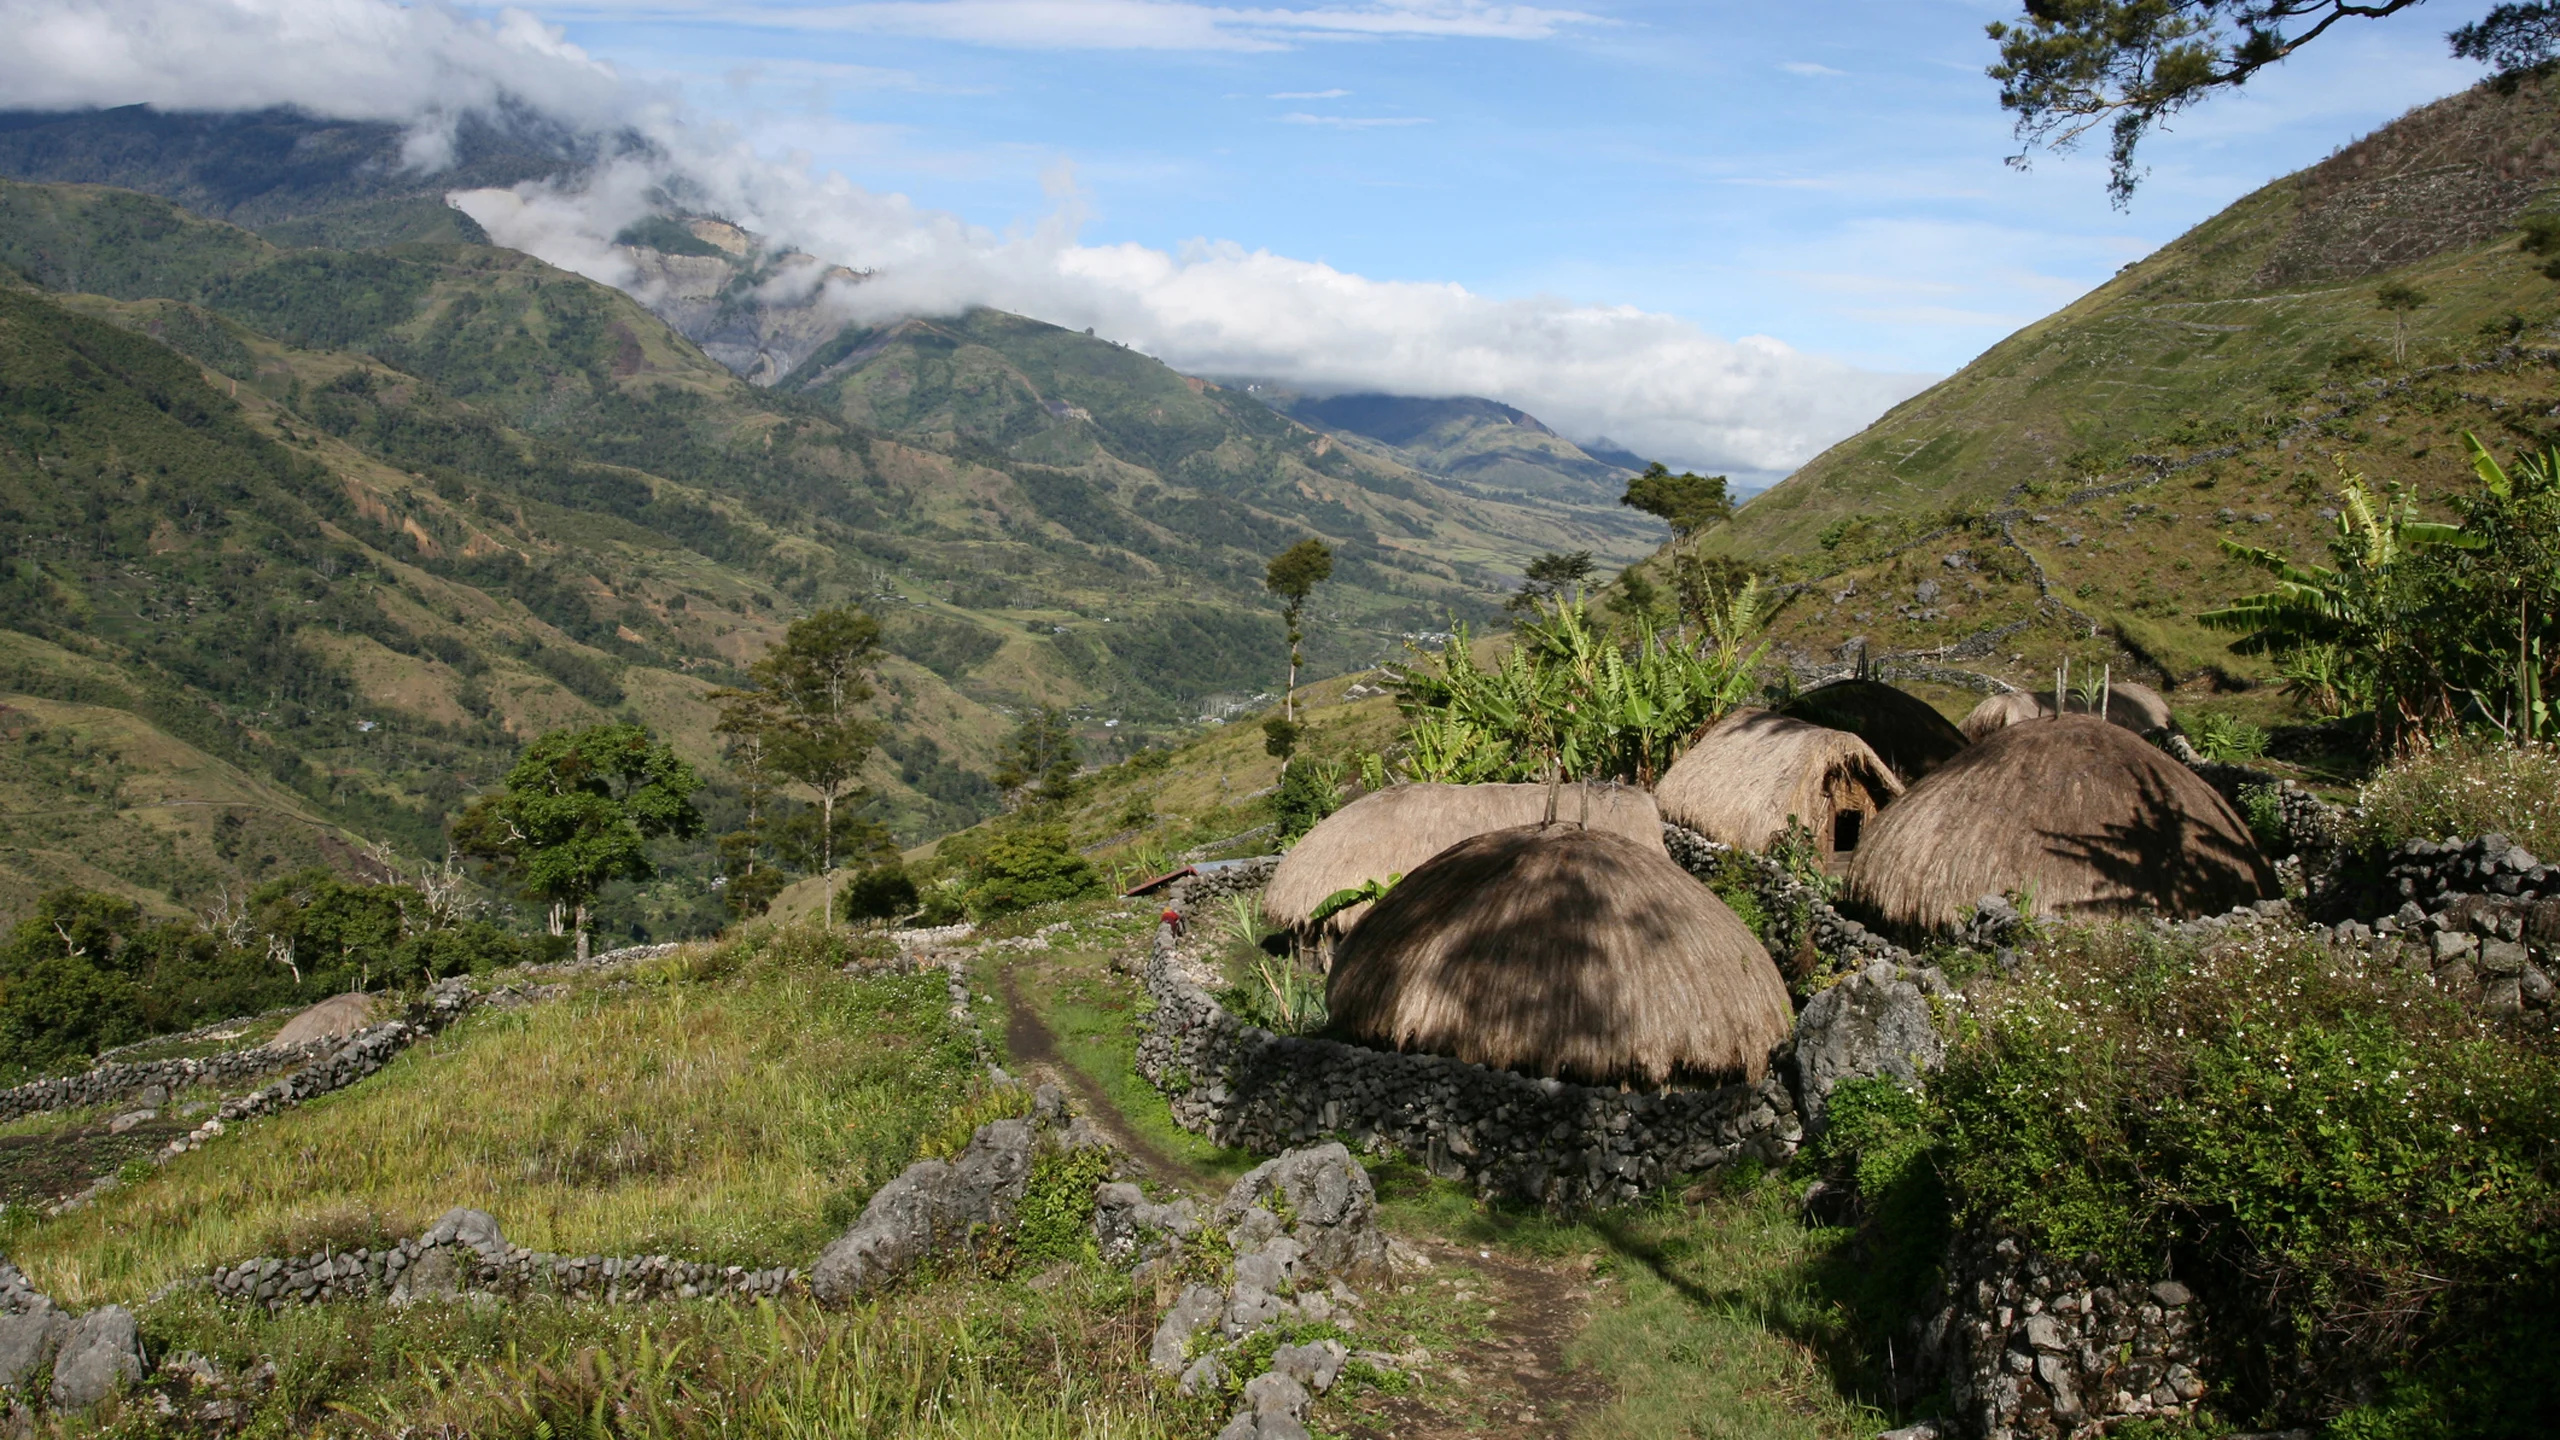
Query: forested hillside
[2360, 314]
[351, 525]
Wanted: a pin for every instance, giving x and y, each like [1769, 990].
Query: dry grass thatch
[1744, 778]
[2084, 817]
[1905, 731]
[1564, 951]
[1392, 831]
[2134, 706]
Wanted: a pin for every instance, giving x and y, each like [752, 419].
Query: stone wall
[123, 1080]
[1240, 878]
[464, 1253]
[2031, 1349]
[1508, 1134]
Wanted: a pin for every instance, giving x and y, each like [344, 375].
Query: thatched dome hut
[2083, 816]
[1392, 831]
[2136, 707]
[1906, 732]
[1745, 777]
[1563, 951]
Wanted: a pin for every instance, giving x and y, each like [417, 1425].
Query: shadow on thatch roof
[1392, 831]
[2136, 707]
[2083, 816]
[1563, 951]
[1905, 731]
[1753, 771]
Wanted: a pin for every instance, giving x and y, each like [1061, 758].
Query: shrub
[2227, 738]
[2467, 787]
[1027, 866]
[2263, 807]
[1309, 791]
[2361, 1175]
[877, 892]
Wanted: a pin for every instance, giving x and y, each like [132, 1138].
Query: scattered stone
[1196, 1309]
[27, 1341]
[1875, 1023]
[1333, 1207]
[129, 1119]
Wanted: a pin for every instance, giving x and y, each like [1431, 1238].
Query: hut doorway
[1845, 826]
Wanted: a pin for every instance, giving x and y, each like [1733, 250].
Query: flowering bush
[2467, 788]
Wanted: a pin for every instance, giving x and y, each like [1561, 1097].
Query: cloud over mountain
[1653, 382]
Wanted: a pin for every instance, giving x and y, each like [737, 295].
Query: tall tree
[2397, 299]
[1688, 502]
[752, 876]
[2068, 67]
[1550, 577]
[810, 686]
[579, 810]
[1293, 575]
[1039, 761]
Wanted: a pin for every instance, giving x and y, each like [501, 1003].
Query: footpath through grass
[733, 1104]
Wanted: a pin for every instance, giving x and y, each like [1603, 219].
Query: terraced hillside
[2213, 389]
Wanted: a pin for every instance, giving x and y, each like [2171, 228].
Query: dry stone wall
[464, 1253]
[2031, 1349]
[1508, 1134]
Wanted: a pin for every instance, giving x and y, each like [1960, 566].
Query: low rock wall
[1508, 1134]
[1244, 877]
[123, 1080]
[465, 1254]
[2031, 1349]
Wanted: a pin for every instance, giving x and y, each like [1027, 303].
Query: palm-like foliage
[2353, 633]
[1568, 700]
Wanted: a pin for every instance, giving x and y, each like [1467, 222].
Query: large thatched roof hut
[1392, 831]
[2083, 816]
[2136, 707]
[1564, 951]
[1905, 731]
[1745, 777]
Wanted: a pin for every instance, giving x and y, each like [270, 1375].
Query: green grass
[1090, 1018]
[969, 1356]
[734, 1104]
[2465, 789]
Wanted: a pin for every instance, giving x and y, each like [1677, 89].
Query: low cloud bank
[1655, 383]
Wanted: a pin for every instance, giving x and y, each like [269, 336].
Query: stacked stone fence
[464, 1253]
[1241, 878]
[125, 1079]
[1508, 1134]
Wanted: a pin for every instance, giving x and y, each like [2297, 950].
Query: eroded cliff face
[758, 312]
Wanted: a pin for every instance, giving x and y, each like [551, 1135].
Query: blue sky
[1724, 234]
[1829, 173]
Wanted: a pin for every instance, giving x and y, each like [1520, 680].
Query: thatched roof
[2084, 816]
[2134, 706]
[1905, 731]
[1563, 951]
[1392, 831]
[1754, 769]
[338, 1015]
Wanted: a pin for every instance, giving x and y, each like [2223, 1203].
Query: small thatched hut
[2083, 816]
[2136, 707]
[1744, 778]
[1392, 831]
[1906, 732]
[1563, 951]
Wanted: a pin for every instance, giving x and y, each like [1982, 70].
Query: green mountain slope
[358, 522]
[2078, 474]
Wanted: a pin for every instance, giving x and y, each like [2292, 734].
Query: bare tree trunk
[827, 856]
[582, 933]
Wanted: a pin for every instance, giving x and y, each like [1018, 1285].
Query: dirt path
[1035, 1055]
[1511, 1382]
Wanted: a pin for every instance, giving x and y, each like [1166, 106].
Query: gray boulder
[102, 1350]
[1198, 1307]
[27, 1341]
[1874, 1023]
[932, 1204]
[451, 1254]
[1128, 1228]
[1332, 1207]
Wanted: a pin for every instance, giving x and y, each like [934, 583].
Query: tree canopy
[579, 809]
[1688, 502]
[2068, 67]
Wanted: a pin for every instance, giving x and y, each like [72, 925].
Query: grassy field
[733, 1104]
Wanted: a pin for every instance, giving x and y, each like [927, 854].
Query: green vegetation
[803, 725]
[1293, 575]
[738, 1103]
[579, 809]
[2466, 787]
[1688, 503]
[1568, 699]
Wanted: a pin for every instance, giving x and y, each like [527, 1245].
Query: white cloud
[1656, 382]
[1807, 67]
[1117, 24]
[1352, 122]
[1308, 95]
